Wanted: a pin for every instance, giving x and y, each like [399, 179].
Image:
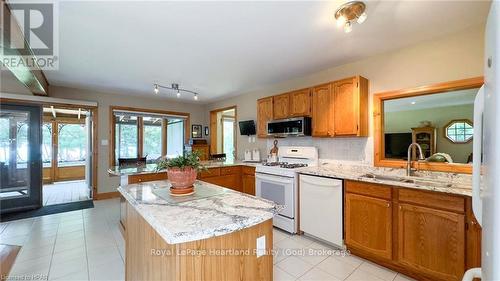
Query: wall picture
[196, 131]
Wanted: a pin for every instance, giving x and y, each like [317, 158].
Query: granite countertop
[199, 217]
[452, 183]
[151, 168]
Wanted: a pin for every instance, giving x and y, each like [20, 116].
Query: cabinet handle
[388, 205]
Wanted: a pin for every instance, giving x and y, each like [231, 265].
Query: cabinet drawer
[211, 172]
[230, 170]
[432, 199]
[248, 170]
[147, 177]
[369, 189]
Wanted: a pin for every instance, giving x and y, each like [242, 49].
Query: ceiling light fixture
[348, 12]
[176, 88]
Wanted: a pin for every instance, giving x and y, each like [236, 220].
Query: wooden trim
[378, 118]
[8, 254]
[106, 195]
[62, 105]
[445, 133]
[164, 137]
[111, 156]
[140, 137]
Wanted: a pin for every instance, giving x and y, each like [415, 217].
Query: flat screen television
[396, 145]
[247, 128]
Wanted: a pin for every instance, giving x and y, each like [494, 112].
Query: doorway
[223, 132]
[20, 163]
[66, 153]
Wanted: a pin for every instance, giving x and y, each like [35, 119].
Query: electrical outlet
[261, 246]
[104, 142]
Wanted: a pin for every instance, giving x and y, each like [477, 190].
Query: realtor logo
[29, 35]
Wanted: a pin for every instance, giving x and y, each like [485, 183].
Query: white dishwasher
[321, 201]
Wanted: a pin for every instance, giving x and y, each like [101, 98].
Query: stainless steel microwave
[299, 126]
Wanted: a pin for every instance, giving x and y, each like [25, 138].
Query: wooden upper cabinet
[322, 110]
[300, 103]
[264, 114]
[281, 106]
[368, 224]
[350, 107]
[431, 241]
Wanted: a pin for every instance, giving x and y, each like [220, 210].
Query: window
[152, 138]
[126, 138]
[72, 140]
[175, 138]
[459, 131]
[152, 135]
[47, 144]
[228, 128]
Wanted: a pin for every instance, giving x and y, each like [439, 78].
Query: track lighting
[175, 87]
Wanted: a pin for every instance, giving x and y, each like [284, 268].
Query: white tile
[350, 259]
[302, 240]
[34, 266]
[14, 240]
[337, 268]
[100, 256]
[281, 275]
[34, 253]
[279, 235]
[379, 271]
[294, 266]
[317, 274]
[361, 275]
[68, 266]
[111, 270]
[69, 244]
[74, 276]
[401, 277]
[76, 253]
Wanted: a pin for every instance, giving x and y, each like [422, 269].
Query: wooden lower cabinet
[368, 224]
[431, 241]
[239, 178]
[423, 234]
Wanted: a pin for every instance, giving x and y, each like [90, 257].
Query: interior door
[20, 157]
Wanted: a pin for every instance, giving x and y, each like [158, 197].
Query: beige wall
[10, 84]
[453, 57]
[107, 183]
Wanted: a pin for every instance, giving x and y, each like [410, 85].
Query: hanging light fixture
[349, 12]
[175, 87]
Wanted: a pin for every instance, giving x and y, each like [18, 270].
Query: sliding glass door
[20, 157]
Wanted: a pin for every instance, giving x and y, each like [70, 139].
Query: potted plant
[182, 171]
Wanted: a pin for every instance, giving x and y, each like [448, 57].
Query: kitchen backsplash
[346, 149]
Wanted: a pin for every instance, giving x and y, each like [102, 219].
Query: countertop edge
[205, 234]
[330, 174]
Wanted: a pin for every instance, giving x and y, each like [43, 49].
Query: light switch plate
[104, 142]
[261, 246]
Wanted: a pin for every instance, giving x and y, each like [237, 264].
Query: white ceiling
[228, 48]
[452, 98]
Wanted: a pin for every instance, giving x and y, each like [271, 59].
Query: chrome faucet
[408, 164]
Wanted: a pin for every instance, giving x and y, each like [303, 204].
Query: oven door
[278, 189]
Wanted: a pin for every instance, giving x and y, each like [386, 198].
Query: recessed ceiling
[227, 48]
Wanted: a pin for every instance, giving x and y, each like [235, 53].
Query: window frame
[140, 131]
[466, 121]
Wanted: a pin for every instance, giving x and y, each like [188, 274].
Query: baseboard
[106, 195]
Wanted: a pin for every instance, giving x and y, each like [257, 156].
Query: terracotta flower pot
[182, 180]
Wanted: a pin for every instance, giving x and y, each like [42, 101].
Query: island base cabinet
[431, 241]
[368, 224]
[149, 257]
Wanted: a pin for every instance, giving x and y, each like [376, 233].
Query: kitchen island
[215, 234]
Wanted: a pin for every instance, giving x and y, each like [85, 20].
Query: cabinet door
[248, 183]
[300, 103]
[321, 110]
[264, 114]
[346, 107]
[368, 224]
[431, 241]
[228, 181]
[281, 106]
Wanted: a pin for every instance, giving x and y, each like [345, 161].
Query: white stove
[278, 182]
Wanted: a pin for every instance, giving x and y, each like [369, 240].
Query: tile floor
[65, 192]
[87, 245]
